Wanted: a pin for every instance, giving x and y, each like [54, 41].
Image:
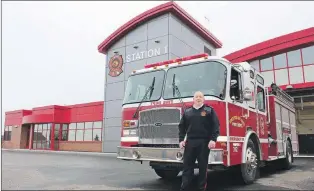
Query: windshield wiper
[150, 89]
[175, 90]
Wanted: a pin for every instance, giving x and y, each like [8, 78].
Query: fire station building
[288, 61]
[162, 33]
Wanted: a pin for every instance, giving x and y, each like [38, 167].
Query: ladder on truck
[282, 95]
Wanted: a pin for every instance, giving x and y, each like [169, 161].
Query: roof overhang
[169, 7]
[275, 45]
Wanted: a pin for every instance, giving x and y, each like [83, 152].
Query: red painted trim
[277, 44]
[302, 66]
[287, 68]
[273, 61]
[153, 13]
[42, 118]
[299, 86]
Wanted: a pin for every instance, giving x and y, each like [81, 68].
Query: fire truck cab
[257, 123]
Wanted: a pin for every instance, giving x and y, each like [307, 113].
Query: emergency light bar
[177, 60]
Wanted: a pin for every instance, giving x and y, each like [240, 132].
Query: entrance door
[42, 136]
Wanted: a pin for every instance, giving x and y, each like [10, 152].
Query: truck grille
[159, 126]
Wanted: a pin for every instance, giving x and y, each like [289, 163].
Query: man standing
[201, 126]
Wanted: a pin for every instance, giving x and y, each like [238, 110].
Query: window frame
[83, 130]
[264, 98]
[7, 134]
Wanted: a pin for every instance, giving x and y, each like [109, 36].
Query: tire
[250, 170]
[167, 174]
[287, 162]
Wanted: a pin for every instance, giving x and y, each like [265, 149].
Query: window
[281, 77]
[294, 58]
[280, 61]
[235, 85]
[64, 135]
[207, 51]
[260, 79]
[260, 99]
[308, 55]
[7, 133]
[85, 131]
[210, 79]
[138, 84]
[267, 64]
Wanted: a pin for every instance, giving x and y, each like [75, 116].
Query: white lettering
[157, 52]
[142, 54]
[128, 59]
[147, 54]
[138, 56]
[133, 56]
[150, 53]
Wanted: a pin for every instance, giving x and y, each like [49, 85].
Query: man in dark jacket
[198, 132]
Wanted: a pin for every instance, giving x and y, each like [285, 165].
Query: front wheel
[167, 174]
[250, 169]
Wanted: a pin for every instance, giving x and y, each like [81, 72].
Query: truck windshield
[207, 77]
[137, 86]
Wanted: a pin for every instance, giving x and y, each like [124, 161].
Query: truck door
[261, 127]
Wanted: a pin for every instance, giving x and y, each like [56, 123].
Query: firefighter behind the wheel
[201, 127]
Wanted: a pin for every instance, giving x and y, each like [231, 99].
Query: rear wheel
[167, 174]
[287, 162]
[250, 169]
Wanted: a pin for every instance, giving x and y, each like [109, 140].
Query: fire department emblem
[203, 113]
[115, 66]
[237, 121]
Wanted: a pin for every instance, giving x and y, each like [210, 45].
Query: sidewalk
[62, 152]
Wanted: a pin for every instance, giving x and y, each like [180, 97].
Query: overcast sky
[49, 49]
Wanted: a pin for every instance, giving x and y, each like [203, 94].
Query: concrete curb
[304, 156]
[62, 152]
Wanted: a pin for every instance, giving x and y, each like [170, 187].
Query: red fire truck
[257, 123]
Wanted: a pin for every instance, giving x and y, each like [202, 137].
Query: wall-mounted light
[135, 47]
[157, 41]
[116, 52]
[289, 87]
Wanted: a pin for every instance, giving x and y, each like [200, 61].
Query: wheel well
[254, 138]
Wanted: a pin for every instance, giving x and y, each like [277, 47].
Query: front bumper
[173, 155]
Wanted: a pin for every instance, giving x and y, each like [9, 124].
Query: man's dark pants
[195, 149]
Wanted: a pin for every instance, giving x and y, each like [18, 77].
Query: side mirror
[247, 94]
[233, 82]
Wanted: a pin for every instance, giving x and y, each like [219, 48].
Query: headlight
[129, 132]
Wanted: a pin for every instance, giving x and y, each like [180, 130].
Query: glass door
[42, 136]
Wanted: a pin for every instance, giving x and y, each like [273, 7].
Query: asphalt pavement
[40, 171]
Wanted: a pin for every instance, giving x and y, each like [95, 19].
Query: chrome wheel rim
[289, 155]
[251, 161]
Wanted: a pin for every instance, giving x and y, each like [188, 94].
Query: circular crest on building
[115, 65]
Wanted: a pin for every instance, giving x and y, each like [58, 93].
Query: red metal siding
[57, 114]
[279, 44]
